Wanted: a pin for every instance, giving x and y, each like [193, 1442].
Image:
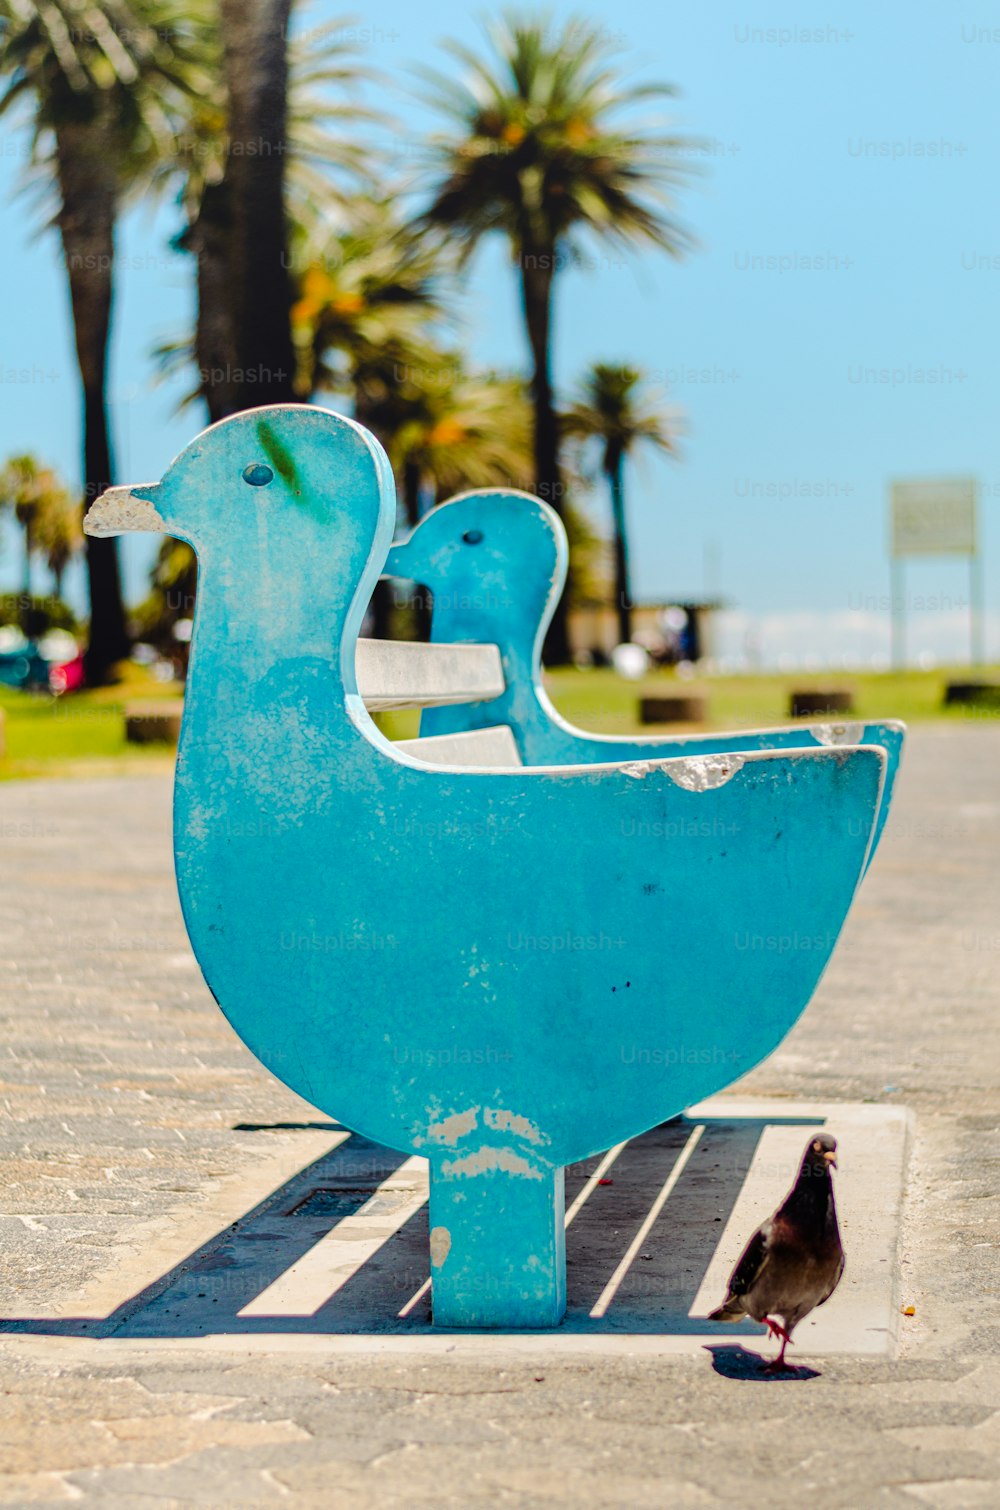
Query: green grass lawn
[83, 734]
[602, 701]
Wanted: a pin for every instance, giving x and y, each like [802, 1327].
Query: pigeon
[794, 1262]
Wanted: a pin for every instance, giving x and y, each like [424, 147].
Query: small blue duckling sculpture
[504, 971]
[496, 561]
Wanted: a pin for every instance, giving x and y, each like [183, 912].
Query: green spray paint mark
[277, 453]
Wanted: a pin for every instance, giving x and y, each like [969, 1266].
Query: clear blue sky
[862, 138]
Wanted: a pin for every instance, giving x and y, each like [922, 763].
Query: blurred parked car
[53, 663]
[67, 677]
[24, 668]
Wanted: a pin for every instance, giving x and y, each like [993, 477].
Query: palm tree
[262, 133]
[446, 429]
[22, 482]
[99, 76]
[172, 584]
[37, 500]
[324, 166]
[367, 303]
[59, 534]
[459, 429]
[367, 322]
[612, 409]
[543, 147]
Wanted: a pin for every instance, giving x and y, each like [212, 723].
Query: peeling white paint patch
[504, 1121]
[489, 1160]
[118, 510]
[454, 1127]
[440, 1245]
[837, 734]
[637, 769]
[703, 773]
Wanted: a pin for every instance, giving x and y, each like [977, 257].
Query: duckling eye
[472, 537]
[257, 475]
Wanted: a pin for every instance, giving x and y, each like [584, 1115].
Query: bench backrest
[406, 674]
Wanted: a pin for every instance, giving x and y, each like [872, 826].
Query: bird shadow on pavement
[735, 1362]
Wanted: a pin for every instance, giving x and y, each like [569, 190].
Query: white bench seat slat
[493, 749]
[410, 674]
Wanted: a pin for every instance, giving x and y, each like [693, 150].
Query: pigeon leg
[775, 1329]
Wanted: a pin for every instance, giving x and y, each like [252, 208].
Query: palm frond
[544, 143]
[615, 408]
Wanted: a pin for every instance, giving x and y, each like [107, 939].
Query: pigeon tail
[730, 1310]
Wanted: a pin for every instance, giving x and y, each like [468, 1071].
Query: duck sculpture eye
[257, 475]
[472, 537]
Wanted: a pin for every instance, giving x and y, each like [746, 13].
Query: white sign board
[934, 516]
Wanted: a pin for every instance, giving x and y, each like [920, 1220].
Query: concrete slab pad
[333, 1257]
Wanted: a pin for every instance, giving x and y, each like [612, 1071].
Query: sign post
[934, 516]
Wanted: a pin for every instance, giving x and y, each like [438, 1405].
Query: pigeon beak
[118, 510]
[831, 1159]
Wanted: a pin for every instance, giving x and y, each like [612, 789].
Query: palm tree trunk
[256, 70]
[411, 491]
[29, 546]
[215, 339]
[623, 587]
[86, 220]
[208, 238]
[243, 343]
[536, 287]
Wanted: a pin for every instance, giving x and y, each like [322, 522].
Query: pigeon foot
[775, 1329]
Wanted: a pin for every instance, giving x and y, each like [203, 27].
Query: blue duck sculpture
[496, 564]
[503, 971]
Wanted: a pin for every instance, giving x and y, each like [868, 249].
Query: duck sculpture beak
[119, 510]
[396, 562]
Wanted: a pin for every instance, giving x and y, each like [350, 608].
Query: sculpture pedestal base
[498, 1245]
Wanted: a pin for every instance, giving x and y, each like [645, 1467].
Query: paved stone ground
[121, 1086]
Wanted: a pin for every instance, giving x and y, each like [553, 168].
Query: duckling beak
[118, 510]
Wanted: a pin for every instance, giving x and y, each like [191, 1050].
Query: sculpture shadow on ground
[341, 1248]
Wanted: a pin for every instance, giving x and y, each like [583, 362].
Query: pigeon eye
[472, 537]
[257, 475]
